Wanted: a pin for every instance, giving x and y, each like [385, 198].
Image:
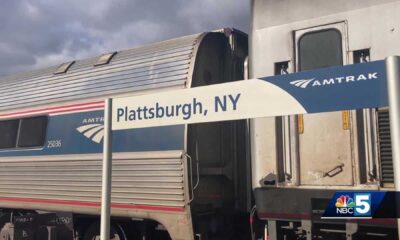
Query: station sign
[366, 85]
[325, 90]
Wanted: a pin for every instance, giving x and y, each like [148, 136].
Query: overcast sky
[39, 33]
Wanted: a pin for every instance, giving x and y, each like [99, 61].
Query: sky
[40, 33]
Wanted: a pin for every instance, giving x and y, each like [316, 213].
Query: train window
[32, 132]
[63, 68]
[105, 59]
[281, 68]
[320, 49]
[8, 133]
[361, 56]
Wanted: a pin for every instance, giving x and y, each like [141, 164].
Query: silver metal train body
[299, 161]
[52, 128]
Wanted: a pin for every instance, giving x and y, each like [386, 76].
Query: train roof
[269, 13]
[162, 64]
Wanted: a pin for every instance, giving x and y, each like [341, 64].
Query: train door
[324, 139]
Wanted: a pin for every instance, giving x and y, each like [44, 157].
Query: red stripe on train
[94, 204]
[76, 109]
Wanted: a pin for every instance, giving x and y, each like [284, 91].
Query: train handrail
[191, 175]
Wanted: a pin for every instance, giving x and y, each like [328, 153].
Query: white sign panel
[227, 101]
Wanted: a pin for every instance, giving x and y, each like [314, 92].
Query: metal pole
[393, 85]
[107, 170]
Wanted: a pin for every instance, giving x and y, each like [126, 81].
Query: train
[263, 178]
[298, 162]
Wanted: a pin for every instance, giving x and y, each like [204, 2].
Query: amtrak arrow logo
[94, 132]
[303, 83]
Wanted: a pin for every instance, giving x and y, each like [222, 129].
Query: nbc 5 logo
[362, 204]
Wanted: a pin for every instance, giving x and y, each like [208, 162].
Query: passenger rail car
[175, 178]
[298, 162]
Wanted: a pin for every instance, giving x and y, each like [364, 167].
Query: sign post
[107, 170]
[393, 81]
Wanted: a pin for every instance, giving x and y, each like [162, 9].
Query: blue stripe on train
[64, 138]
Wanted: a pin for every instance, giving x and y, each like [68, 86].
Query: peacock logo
[345, 201]
[94, 132]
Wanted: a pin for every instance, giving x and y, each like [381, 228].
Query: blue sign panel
[337, 88]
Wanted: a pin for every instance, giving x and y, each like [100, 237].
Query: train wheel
[93, 232]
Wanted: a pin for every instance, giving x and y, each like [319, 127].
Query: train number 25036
[54, 144]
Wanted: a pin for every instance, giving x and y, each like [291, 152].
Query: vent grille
[385, 146]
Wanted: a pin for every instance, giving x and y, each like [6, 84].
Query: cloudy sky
[39, 33]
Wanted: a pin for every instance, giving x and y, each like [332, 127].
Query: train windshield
[320, 49]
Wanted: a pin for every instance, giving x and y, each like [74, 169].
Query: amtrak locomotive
[298, 162]
[201, 181]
